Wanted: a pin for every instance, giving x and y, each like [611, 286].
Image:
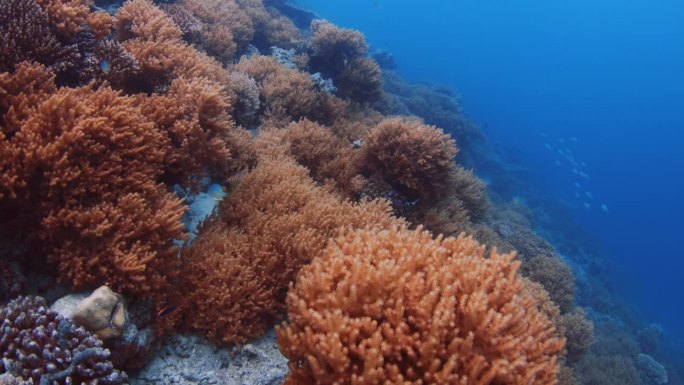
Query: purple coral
[40, 345]
[25, 35]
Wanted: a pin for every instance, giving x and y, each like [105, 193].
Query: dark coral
[25, 34]
[341, 54]
[39, 345]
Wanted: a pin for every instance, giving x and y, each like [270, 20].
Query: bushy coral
[83, 166]
[397, 306]
[286, 93]
[328, 158]
[556, 277]
[239, 267]
[340, 54]
[38, 345]
[194, 114]
[413, 157]
[579, 334]
[25, 34]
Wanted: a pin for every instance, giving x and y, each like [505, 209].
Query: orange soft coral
[286, 93]
[276, 221]
[85, 177]
[67, 16]
[414, 158]
[155, 42]
[397, 306]
[340, 54]
[100, 23]
[328, 158]
[194, 113]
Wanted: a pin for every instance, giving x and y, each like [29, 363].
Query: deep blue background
[609, 73]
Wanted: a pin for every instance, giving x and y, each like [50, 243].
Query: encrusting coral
[38, 345]
[397, 306]
[292, 219]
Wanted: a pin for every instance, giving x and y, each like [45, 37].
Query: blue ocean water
[588, 95]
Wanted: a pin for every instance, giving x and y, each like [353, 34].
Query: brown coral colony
[105, 117]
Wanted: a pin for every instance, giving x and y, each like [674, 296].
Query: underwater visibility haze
[587, 95]
[467, 192]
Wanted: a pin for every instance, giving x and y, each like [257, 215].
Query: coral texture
[340, 53]
[579, 333]
[83, 166]
[25, 34]
[40, 346]
[398, 306]
[414, 158]
[555, 276]
[276, 221]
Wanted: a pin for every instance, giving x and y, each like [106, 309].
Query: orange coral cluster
[83, 165]
[397, 306]
[85, 175]
[275, 222]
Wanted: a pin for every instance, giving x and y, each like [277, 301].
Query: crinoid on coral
[341, 54]
[40, 347]
[239, 267]
[82, 169]
[397, 306]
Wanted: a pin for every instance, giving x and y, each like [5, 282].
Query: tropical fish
[589, 195]
[587, 206]
[573, 139]
[216, 191]
[604, 207]
[577, 185]
[557, 162]
[574, 171]
[548, 146]
[105, 67]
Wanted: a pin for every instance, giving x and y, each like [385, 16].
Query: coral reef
[40, 346]
[83, 166]
[414, 158]
[340, 54]
[555, 276]
[399, 306]
[235, 287]
[25, 35]
[579, 334]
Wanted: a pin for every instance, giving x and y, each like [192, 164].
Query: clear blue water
[609, 73]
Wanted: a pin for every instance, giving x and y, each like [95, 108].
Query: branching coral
[270, 28]
[100, 24]
[276, 221]
[39, 346]
[194, 113]
[555, 276]
[579, 333]
[414, 158]
[86, 180]
[397, 306]
[328, 158]
[285, 92]
[25, 34]
[340, 53]
[155, 42]
[67, 16]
